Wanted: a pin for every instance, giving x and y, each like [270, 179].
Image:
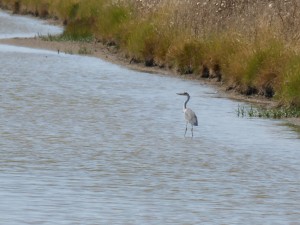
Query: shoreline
[111, 54]
[93, 49]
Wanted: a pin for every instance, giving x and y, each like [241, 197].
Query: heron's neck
[188, 98]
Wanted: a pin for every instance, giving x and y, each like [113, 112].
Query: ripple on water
[83, 141]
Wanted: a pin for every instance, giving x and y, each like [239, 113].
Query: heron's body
[189, 115]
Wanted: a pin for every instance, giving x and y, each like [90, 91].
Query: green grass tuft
[290, 89]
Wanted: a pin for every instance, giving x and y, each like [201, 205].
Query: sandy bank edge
[111, 54]
[95, 49]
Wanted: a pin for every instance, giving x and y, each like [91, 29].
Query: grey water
[12, 26]
[84, 141]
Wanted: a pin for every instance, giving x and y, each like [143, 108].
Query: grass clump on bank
[252, 46]
[290, 89]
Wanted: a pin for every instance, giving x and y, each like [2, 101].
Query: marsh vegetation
[262, 112]
[251, 46]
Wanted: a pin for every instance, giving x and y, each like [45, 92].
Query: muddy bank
[95, 49]
[113, 55]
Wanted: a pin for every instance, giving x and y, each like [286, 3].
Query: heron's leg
[192, 129]
[185, 128]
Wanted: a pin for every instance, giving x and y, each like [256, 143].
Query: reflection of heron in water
[189, 114]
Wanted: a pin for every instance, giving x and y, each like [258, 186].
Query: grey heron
[189, 115]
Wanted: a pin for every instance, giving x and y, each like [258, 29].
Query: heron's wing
[190, 117]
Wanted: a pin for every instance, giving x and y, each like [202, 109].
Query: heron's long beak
[180, 93]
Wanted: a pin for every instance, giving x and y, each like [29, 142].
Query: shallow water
[83, 141]
[12, 26]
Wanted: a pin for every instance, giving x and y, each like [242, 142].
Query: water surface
[12, 26]
[83, 141]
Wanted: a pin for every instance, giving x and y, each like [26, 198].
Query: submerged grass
[274, 113]
[66, 37]
[252, 46]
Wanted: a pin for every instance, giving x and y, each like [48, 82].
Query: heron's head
[184, 93]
